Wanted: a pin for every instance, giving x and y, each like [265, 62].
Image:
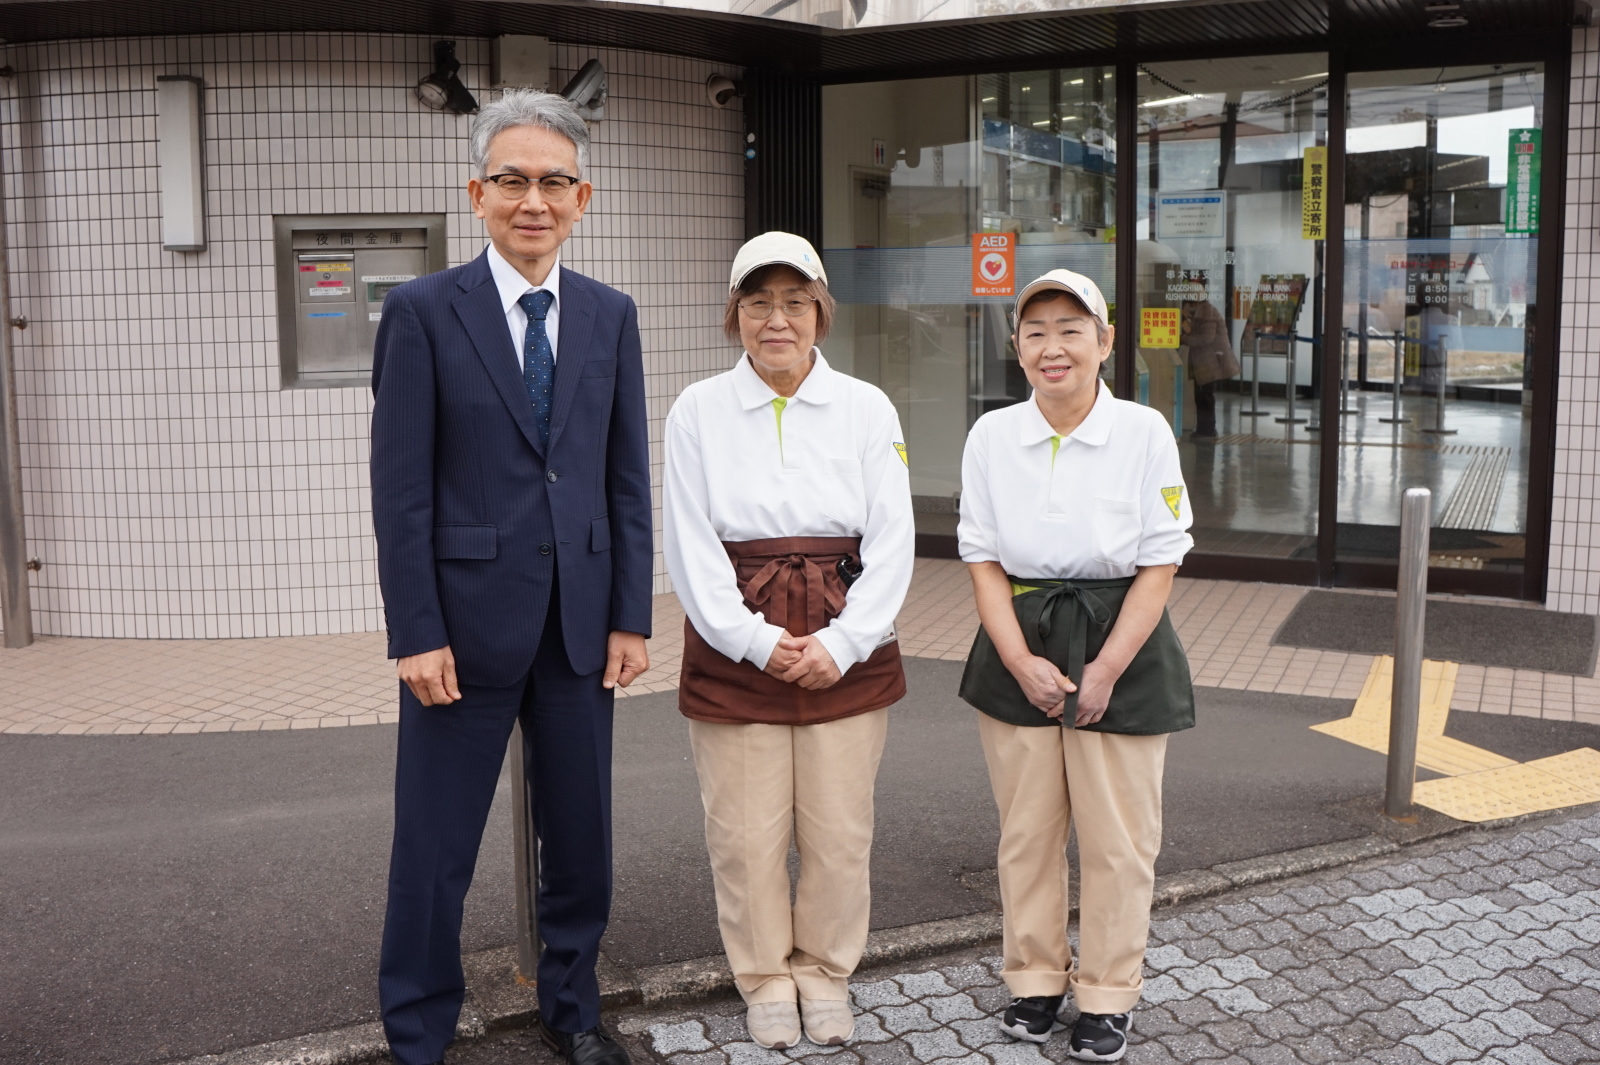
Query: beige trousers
[757, 780]
[1044, 780]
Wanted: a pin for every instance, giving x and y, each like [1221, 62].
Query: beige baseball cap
[1079, 286]
[770, 249]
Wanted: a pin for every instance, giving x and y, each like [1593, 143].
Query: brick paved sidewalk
[96, 686]
[1476, 949]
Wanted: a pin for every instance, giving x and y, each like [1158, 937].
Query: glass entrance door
[1229, 251]
[1441, 222]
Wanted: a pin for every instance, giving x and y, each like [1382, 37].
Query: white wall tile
[171, 488]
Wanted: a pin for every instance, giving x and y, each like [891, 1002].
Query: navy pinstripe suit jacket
[473, 518]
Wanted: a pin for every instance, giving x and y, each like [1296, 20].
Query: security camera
[720, 89]
[587, 91]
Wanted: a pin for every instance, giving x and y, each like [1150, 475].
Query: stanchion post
[1410, 616]
[1289, 384]
[1444, 374]
[1255, 410]
[1398, 340]
[1344, 374]
[525, 850]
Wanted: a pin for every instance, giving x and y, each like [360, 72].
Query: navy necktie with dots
[538, 361]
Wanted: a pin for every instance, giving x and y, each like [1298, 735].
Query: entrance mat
[1477, 633]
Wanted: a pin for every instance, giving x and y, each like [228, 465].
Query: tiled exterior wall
[171, 488]
[1574, 579]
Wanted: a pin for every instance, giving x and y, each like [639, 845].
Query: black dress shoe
[594, 1047]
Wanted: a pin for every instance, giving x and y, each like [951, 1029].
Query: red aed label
[330, 284]
[993, 264]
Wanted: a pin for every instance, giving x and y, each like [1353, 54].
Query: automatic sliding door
[1231, 158]
[1441, 221]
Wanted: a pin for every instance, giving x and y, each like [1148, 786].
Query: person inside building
[1204, 336]
[1073, 523]
[789, 537]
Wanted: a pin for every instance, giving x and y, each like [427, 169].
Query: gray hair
[527, 107]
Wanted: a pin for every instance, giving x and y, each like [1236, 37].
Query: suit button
[551, 476]
[545, 549]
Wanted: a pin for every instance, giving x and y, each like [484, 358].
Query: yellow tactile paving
[1525, 788]
[1478, 785]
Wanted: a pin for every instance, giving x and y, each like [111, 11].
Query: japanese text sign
[1314, 195]
[1158, 327]
[1522, 182]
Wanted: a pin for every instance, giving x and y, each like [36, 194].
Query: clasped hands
[803, 660]
[1047, 688]
[431, 676]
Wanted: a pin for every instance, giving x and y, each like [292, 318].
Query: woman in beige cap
[789, 538]
[1073, 524]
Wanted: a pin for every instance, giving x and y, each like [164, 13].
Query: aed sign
[994, 264]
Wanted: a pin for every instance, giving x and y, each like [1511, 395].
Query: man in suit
[511, 500]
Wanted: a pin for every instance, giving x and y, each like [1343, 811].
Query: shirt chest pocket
[1117, 531]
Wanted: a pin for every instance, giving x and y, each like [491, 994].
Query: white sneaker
[774, 1025]
[828, 1022]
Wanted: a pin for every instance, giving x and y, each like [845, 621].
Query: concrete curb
[498, 1001]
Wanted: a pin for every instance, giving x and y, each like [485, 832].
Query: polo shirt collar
[513, 286]
[753, 392]
[1094, 429]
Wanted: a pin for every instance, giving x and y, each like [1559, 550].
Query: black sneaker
[1100, 1036]
[1031, 1018]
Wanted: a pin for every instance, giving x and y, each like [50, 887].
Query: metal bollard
[1410, 608]
[525, 873]
[1291, 372]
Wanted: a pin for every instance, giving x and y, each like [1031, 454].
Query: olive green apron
[1067, 622]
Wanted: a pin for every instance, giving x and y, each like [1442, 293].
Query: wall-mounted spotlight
[721, 89]
[587, 91]
[442, 90]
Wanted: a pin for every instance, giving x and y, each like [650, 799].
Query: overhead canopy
[883, 37]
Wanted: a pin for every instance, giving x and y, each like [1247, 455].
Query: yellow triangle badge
[900, 449]
[1174, 498]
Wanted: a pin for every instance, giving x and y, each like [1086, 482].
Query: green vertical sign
[1522, 182]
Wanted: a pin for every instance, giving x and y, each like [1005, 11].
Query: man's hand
[1045, 686]
[626, 658]
[815, 669]
[1095, 695]
[431, 676]
[785, 655]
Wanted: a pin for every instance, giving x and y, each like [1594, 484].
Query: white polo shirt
[829, 461]
[1098, 503]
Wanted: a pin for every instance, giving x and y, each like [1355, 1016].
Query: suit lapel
[577, 327]
[485, 321]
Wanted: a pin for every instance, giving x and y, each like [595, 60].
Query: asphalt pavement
[167, 896]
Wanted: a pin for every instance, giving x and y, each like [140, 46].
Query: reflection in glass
[913, 172]
[1440, 224]
[1229, 273]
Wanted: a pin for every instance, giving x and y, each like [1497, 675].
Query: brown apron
[793, 582]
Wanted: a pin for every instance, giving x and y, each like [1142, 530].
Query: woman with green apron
[1073, 523]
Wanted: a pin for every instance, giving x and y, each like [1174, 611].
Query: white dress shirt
[513, 286]
[833, 464]
[1098, 503]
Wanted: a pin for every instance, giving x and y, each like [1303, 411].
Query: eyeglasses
[552, 187]
[761, 310]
